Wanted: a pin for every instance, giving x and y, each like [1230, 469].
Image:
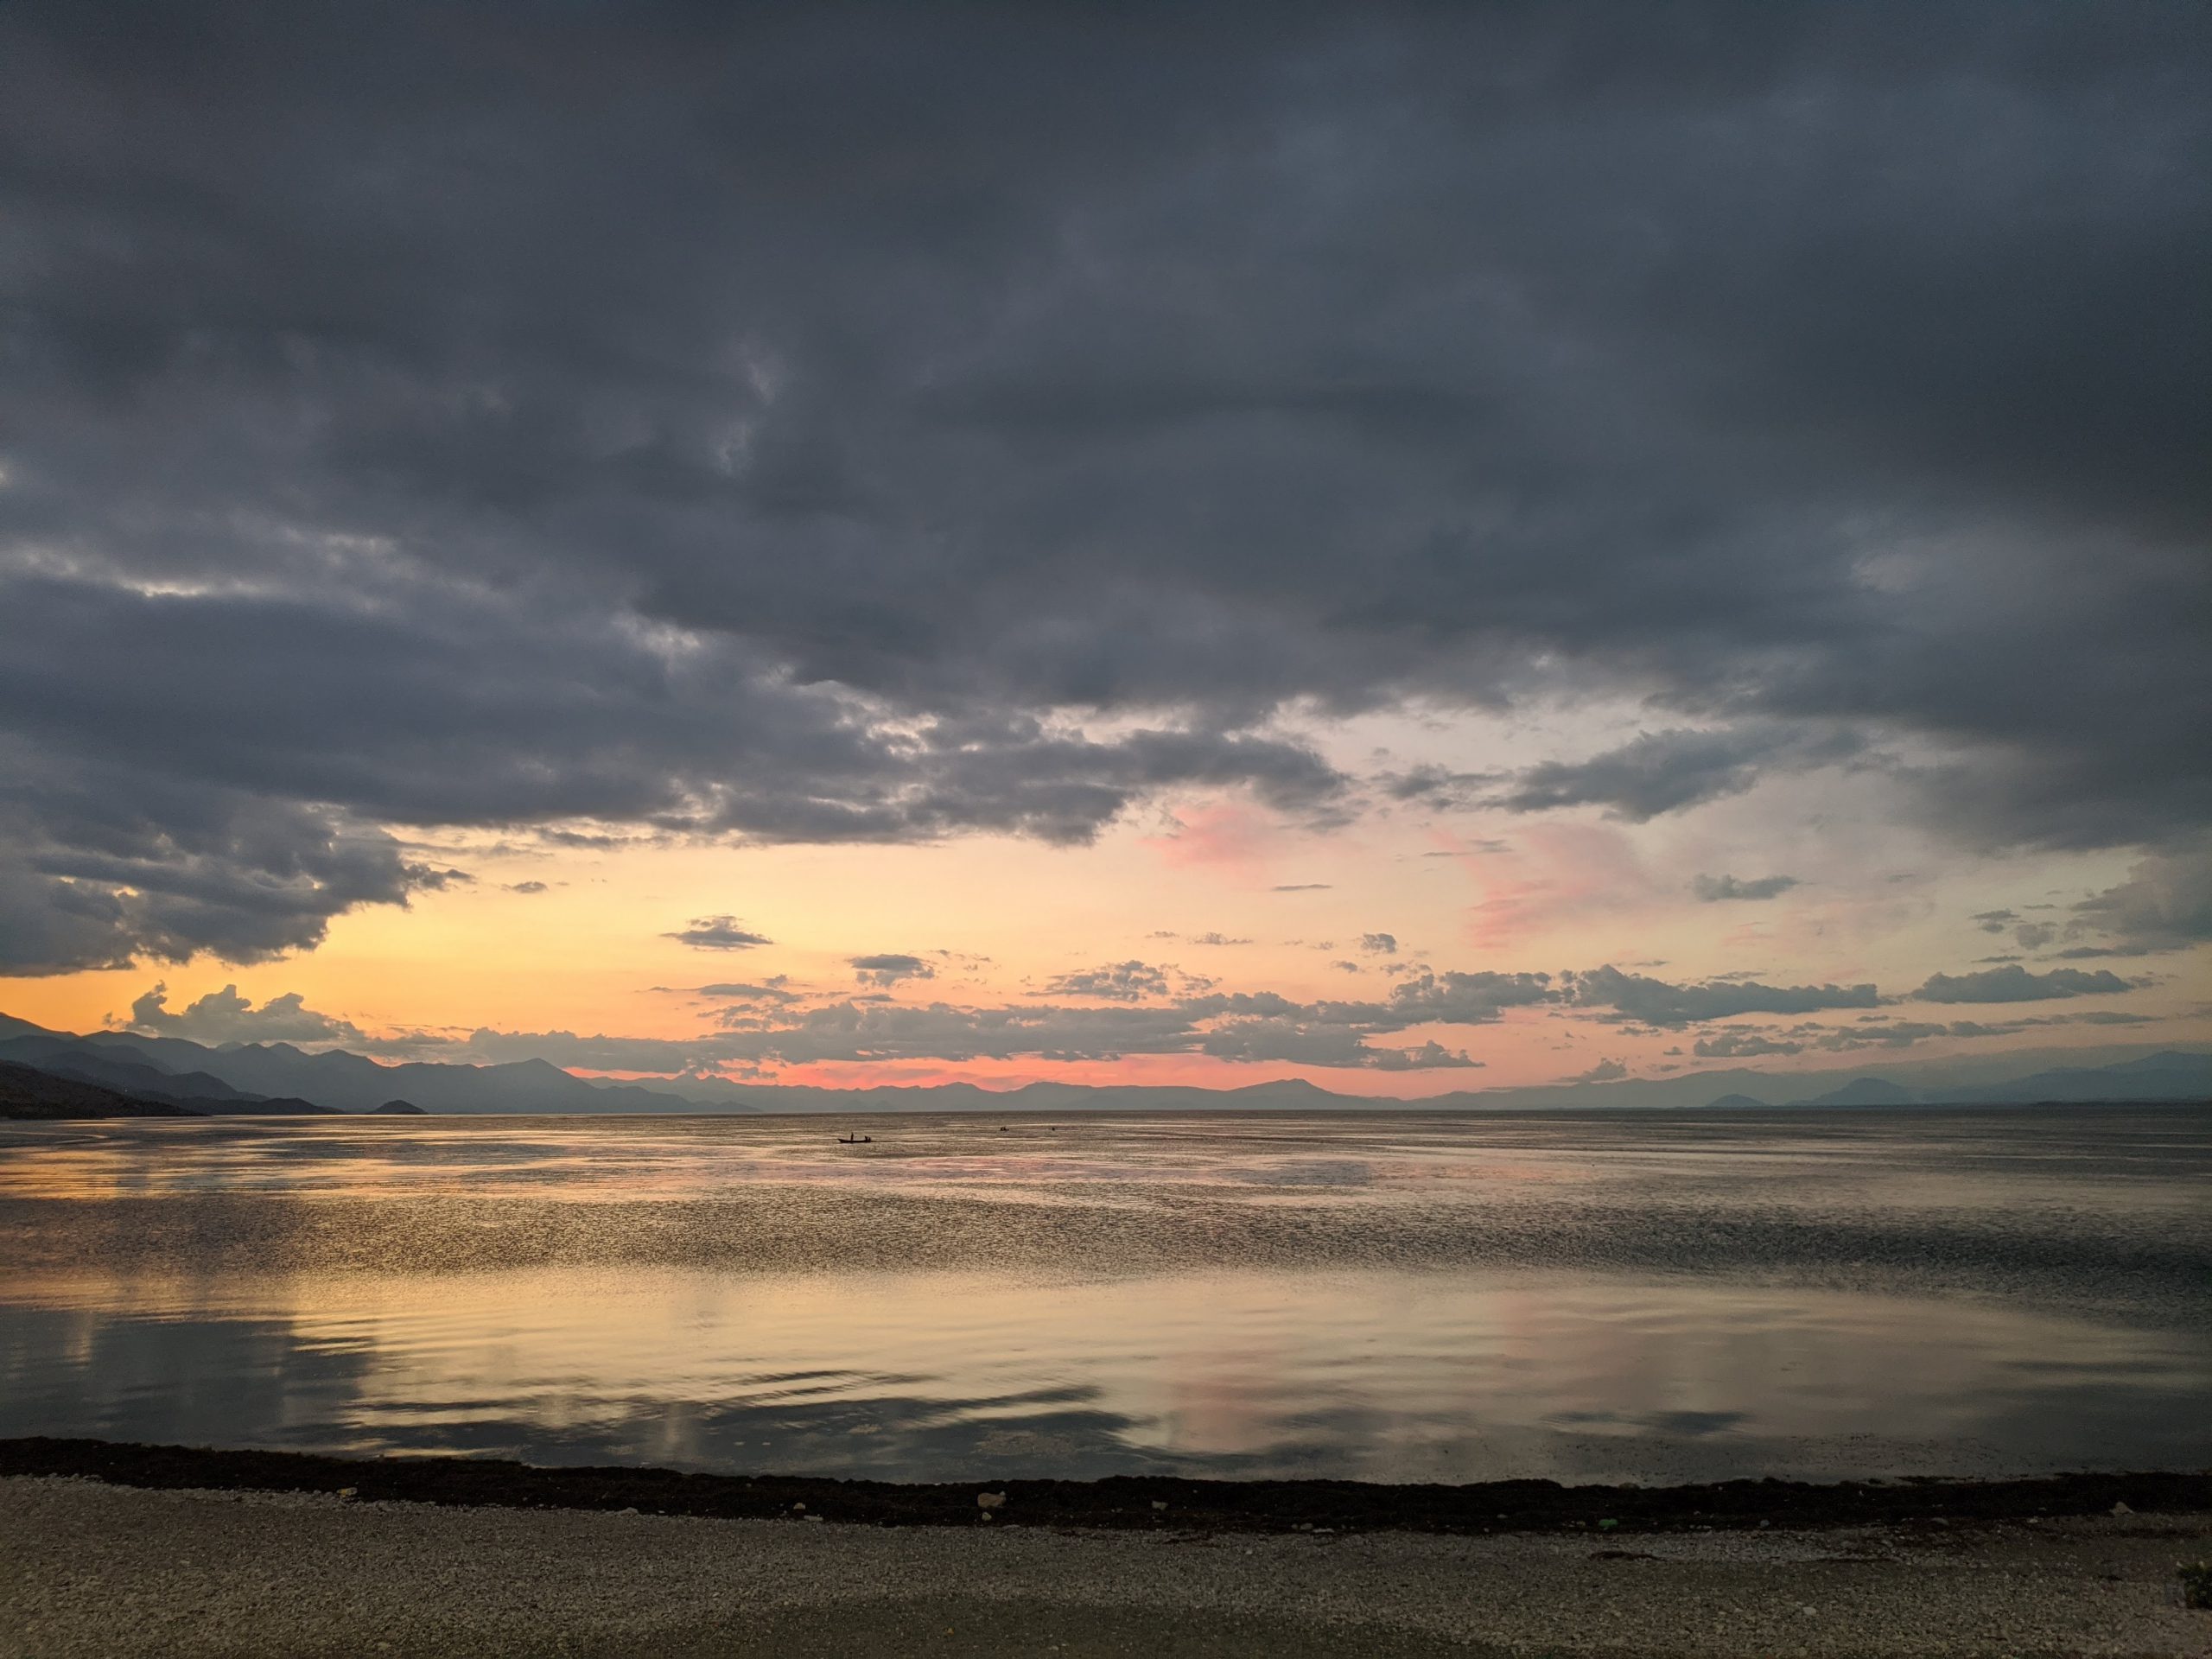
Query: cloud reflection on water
[1382, 1376]
[1392, 1297]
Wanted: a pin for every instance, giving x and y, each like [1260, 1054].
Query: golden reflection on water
[1379, 1297]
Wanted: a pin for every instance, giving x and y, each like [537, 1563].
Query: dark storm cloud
[2017, 984]
[1462, 998]
[1882, 1032]
[100, 864]
[1907, 1033]
[578, 721]
[1436, 787]
[860, 423]
[1666, 771]
[1717, 889]
[1655, 1003]
[2165, 904]
[1750, 1042]
[1296, 1042]
[2030, 935]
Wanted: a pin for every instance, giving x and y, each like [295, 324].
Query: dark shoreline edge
[1143, 1502]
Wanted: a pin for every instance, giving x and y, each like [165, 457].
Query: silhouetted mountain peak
[28, 1092]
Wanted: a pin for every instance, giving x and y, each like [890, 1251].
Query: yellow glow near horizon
[1217, 890]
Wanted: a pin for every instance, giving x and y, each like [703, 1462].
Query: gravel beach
[87, 1568]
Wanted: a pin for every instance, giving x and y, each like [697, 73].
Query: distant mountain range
[268, 1078]
[169, 1075]
[2168, 1075]
[25, 1091]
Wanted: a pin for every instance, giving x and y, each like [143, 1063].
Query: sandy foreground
[94, 1569]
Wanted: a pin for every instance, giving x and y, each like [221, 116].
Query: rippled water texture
[1392, 1297]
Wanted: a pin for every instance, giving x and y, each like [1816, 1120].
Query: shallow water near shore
[1400, 1297]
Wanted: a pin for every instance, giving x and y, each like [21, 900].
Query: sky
[1416, 548]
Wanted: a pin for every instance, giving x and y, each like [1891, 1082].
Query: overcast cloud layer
[880, 425]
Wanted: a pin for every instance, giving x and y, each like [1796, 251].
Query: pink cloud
[1555, 870]
[1224, 836]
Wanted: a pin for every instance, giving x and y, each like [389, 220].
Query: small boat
[855, 1139]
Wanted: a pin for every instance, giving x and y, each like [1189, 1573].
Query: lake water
[1395, 1296]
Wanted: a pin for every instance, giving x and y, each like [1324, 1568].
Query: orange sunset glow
[976, 830]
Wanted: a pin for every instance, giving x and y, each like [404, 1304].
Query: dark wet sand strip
[1145, 1502]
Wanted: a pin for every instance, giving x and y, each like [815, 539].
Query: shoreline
[1068, 1113]
[98, 1570]
[1140, 1503]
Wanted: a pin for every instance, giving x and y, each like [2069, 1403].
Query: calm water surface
[1401, 1296]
